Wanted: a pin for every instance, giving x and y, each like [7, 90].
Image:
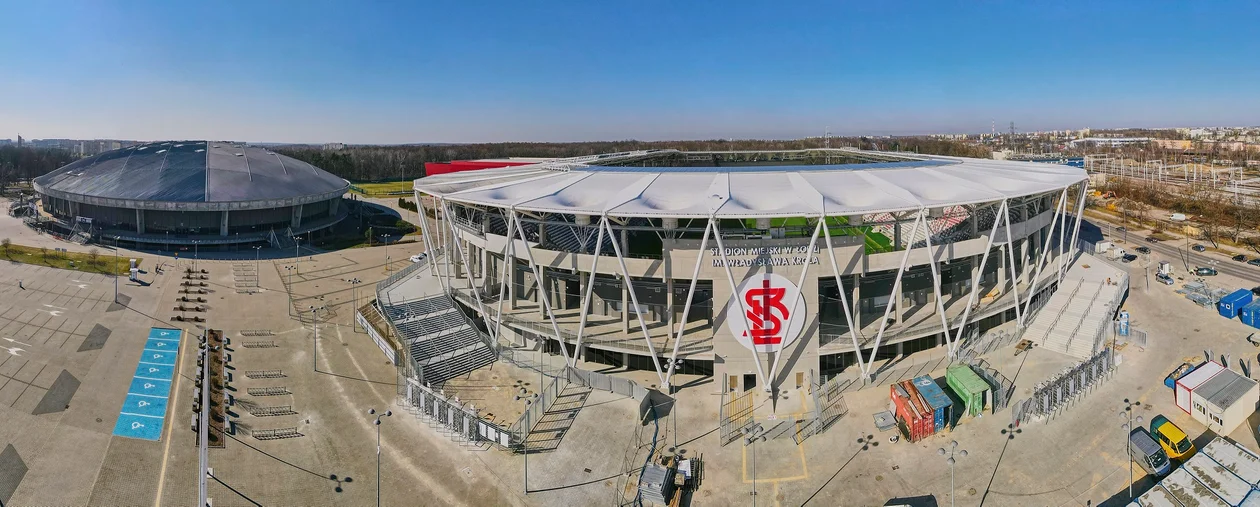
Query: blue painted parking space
[150, 387]
[133, 426]
[143, 412]
[154, 371]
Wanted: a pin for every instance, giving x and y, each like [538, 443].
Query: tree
[368, 235]
[43, 252]
[94, 257]
[5, 244]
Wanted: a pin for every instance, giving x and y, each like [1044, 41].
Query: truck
[1148, 454]
[1171, 380]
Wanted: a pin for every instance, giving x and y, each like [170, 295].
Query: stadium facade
[762, 269]
[191, 192]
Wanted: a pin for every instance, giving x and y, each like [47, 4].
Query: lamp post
[290, 269]
[751, 435]
[962, 453]
[386, 236]
[196, 256]
[1127, 416]
[315, 323]
[377, 423]
[116, 268]
[257, 274]
[528, 400]
[297, 245]
[354, 296]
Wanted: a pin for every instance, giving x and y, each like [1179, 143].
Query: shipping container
[909, 419]
[1250, 314]
[1230, 305]
[1192, 381]
[921, 405]
[941, 405]
[968, 386]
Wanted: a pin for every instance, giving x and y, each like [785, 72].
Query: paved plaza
[68, 355]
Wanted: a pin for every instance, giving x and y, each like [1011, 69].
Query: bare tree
[5, 244]
[94, 257]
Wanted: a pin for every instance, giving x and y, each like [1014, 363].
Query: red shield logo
[769, 320]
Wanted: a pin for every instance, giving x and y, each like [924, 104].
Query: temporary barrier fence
[1057, 393]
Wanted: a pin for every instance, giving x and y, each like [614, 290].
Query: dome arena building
[183, 193]
[765, 270]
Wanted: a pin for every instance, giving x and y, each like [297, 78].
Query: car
[1254, 262]
[1143, 250]
[1121, 229]
[1201, 271]
[1198, 248]
[1128, 258]
[1152, 239]
[1174, 441]
[418, 257]
[1240, 258]
[1164, 279]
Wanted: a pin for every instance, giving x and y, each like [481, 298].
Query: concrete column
[510, 265]
[334, 206]
[625, 307]
[223, 224]
[857, 294]
[542, 291]
[297, 217]
[897, 235]
[975, 223]
[139, 221]
[625, 242]
[669, 303]
[1003, 263]
[1025, 273]
[542, 233]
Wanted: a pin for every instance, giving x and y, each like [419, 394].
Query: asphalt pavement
[1176, 251]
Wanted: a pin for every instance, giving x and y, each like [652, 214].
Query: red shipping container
[925, 409]
[912, 419]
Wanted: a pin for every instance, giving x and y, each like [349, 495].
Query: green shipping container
[968, 386]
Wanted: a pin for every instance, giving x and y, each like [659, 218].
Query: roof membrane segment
[752, 191]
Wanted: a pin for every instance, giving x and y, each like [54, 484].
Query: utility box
[1165, 268]
[942, 407]
[968, 386]
[1230, 305]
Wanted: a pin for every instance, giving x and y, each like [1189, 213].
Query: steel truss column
[1012, 275]
[691, 292]
[428, 239]
[975, 280]
[896, 290]
[586, 298]
[1076, 228]
[844, 301]
[471, 282]
[809, 253]
[508, 249]
[1032, 285]
[634, 299]
[743, 311]
[936, 287]
[564, 351]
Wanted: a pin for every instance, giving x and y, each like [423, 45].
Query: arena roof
[914, 182]
[190, 171]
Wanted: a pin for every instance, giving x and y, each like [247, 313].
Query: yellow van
[1174, 441]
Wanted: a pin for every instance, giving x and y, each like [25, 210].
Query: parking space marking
[143, 413]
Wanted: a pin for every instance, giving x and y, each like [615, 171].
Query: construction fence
[734, 413]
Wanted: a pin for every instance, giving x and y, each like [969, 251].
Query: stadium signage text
[764, 256]
[770, 321]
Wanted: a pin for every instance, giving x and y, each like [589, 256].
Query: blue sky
[461, 71]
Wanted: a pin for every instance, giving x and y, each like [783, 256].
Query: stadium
[764, 270]
[184, 193]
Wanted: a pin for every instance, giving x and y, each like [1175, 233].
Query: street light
[354, 295]
[377, 423]
[196, 257]
[1127, 415]
[962, 453]
[116, 269]
[315, 323]
[290, 269]
[386, 236]
[527, 400]
[257, 274]
[751, 435]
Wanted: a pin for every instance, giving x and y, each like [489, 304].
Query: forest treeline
[17, 164]
[384, 163]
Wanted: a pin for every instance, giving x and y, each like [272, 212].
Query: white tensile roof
[752, 191]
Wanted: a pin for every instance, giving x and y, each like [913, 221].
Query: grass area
[383, 189]
[876, 242]
[104, 263]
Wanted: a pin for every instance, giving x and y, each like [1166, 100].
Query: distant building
[19, 141]
[334, 146]
[5, 142]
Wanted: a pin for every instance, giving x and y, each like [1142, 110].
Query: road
[1176, 252]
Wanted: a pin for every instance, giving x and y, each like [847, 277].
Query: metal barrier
[735, 414]
[1056, 394]
[376, 337]
[829, 406]
[539, 406]
[451, 416]
[1002, 388]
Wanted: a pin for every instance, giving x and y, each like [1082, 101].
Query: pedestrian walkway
[143, 413]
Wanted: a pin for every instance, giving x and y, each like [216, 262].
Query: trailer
[1250, 314]
[1224, 402]
[1191, 381]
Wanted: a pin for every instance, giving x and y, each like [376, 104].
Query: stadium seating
[439, 338]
